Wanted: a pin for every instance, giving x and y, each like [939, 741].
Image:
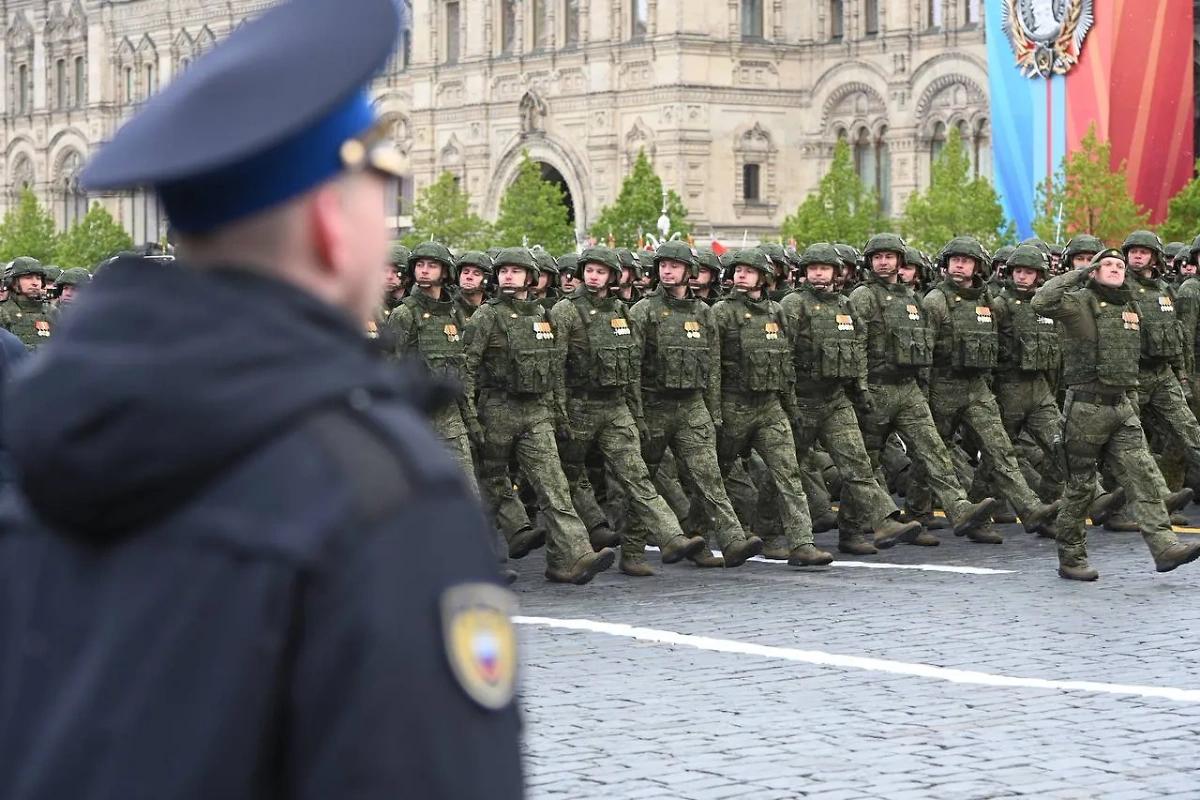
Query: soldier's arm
[1053, 301]
[476, 338]
[712, 397]
[399, 323]
[862, 305]
[788, 396]
[564, 320]
[937, 312]
[633, 390]
[1189, 314]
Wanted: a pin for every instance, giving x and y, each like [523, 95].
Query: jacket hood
[162, 376]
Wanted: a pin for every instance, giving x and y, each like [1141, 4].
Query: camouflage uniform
[27, 318]
[513, 359]
[830, 354]
[681, 389]
[965, 349]
[899, 346]
[1188, 309]
[1101, 345]
[604, 408]
[1029, 359]
[757, 380]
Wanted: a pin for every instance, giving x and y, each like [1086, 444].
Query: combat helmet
[398, 257]
[23, 265]
[748, 257]
[1081, 244]
[605, 256]
[884, 243]
[567, 263]
[632, 261]
[1172, 251]
[777, 255]
[474, 258]
[969, 247]
[819, 253]
[546, 263]
[75, 276]
[1148, 240]
[1040, 244]
[1030, 257]
[707, 258]
[51, 274]
[517, 257]
[1193, 252]
[1001, 256]
[434, 251]
[676, 251]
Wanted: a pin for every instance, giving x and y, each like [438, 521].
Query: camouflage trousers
[1027, 410]
[1161, 404]
[1114, 433]
[604, 424]
[680, 421]
[757, 422]
[521, 425]
[969, 403]
[901, 408]
[448, 424]
[831, 420]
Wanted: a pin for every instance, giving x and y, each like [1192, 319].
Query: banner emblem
[1047, 35]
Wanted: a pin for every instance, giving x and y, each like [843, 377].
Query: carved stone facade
[737, 102]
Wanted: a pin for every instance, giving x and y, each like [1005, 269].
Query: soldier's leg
[982, 416]
[695, 446]
[500, 431]
[774, 442]
[1135, 470]
[732, 443]
[567, 541]
[666, 481]
[896, 466]
[812, 477]
[1171, 409]
[864, 504]
[585, 424]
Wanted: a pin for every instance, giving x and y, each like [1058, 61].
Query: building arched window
[508, 27]
[70, 197]
[871, 17]
[130, 88]
[23, 102]
[935, 13]
[837, 21]
[937, 141]
[570, 22]
[150, 83]
[873, 163]
[981, 149]
[80, 82]
[60, 84]
[453, 31]
[752, 19]
[640, 19]
[540, 24]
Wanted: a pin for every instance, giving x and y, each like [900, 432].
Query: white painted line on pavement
[858, 662]
[885, 565]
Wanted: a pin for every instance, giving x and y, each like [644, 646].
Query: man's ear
[325, 222]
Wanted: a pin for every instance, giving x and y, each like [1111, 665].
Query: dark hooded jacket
[211, 583]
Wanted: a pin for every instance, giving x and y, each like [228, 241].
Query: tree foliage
[637, 208]
[442, 213]
[1091, 196]
[1183, 213]
[92, 239]
[842, 209]
[955, 204]
[534, 211]
[28, 230]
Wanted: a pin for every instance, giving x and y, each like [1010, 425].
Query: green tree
[1091, 196]
[1183, 213]
[442, 213]
[27, 230]
[638, 207]
[91, 239]
[534, 210]
[955, 204]
[842, 209]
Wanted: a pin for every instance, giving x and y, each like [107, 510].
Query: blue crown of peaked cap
[259, 119]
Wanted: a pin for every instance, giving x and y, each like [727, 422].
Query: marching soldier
[830, 355]
[474, 271]
[24, 314]
[1102, 345]
[899, 346]
[604, 408]
[513, 359]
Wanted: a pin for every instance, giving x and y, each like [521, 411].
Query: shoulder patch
[480, 642]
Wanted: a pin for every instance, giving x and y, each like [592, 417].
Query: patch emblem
[620, 327]
[1165, 305]
[480, 642]
[372, 330]
[983, 313]
[42, 327]
[1130, 319]
[1045, 320]
[772, 330]
[542, 331]
[845, 322]
[914, 313]
[693, 329]
[451, 332]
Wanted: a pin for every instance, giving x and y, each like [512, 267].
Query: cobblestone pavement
[611, 716]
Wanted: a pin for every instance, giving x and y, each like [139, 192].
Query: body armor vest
[757, 356]
[611, 358]
[526, 366]
[30, 321]
[1162, 334]
[1113, 358]
[437, 330]
[832, 350]
[974, 342]
[906, 340]
[677, 350]
[1036, 345]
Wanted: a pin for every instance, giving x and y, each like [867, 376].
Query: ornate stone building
[738, 102]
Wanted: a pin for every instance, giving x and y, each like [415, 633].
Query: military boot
[890, 531]
[1037, 516]
[584, 569]
[526, 540]
[926, 539]
[1077, 573]
[930, 522]
[1104, 506]
[634, 564]
[603, 536]
[775, 549]
[1177, 501]
[985, 534]
[1073, 562]
[1176, 556]
[826, 522]
[1121, 523]
[855, 544]
[807, 555]
[680, 547]
[1003, 514]
[706, 559]
[1180, 521]
[971, 515]
[741, 551]
[509, 576]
